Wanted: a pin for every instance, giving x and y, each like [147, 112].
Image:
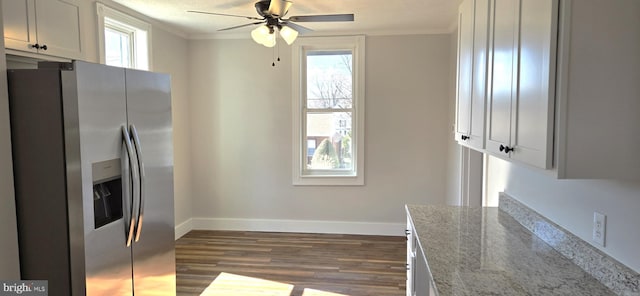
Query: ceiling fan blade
[299, 28]
[224, 14]
[240, 26]
[323, 18]
[279, 7]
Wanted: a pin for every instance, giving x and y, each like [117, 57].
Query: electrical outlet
[599, 228]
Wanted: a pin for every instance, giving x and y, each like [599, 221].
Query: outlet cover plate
[599, 228]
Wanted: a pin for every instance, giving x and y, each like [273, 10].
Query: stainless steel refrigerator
[93, 165]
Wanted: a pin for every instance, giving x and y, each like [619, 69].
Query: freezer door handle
[142, 197]
[133, 170]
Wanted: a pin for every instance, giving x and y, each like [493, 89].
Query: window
[328, 127]
[124, 40]
[117, 47]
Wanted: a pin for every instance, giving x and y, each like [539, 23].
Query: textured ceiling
[371, 16]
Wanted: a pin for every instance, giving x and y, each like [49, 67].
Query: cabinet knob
[505, 149]
[38, 46]
[408, 267]
[464, 138]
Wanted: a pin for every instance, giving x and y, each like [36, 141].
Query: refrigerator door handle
[133, 170]
[142, 197]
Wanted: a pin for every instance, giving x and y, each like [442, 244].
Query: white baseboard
[183, 228]
[272, 225]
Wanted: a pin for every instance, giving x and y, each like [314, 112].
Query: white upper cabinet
[564, 90]
[559, 88]
[520, 112]
[598, 124]
[19, 27]
[465, 66]
[50, 27]
[58, 27]
[504, 57]
[473, 33]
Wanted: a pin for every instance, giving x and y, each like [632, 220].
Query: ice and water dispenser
[107, 192]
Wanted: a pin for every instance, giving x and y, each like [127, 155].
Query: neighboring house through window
[124, 40]
[328, 127]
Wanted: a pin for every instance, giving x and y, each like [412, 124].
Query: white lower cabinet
[424, 284]
[411, 257]
[419, 280]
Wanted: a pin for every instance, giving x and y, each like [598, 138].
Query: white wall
[242, 149]
[571, 203]
[453, 149]
[9, 260]
[170, 56]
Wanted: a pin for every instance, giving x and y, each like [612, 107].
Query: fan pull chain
[273, 54]
[278, 52]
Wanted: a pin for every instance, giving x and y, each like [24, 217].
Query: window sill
[332, 180]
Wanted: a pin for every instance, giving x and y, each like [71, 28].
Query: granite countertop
[484, 251]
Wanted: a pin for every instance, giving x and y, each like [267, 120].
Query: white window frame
[302, 176]
[140, 30]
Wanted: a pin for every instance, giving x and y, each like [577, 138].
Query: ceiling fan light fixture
[271, 14]
[264, 35]
[270, 40]
[289, 35]
[259, 34]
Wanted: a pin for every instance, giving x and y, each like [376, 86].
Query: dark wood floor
[353, 265]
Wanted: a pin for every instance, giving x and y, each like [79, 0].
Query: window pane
[329, 80]
[117, 48]
[329, 145]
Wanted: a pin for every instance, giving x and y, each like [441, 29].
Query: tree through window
[329, 109]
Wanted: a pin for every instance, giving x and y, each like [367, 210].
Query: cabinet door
[521, 105]
[58, 23]
[504, 75]
[411, 257]
[465, 70]
[479, 74]
[473, 43]
[534, 112]
[423, 285]
[18, 17]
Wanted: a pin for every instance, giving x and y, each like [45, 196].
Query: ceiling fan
[272, 14]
